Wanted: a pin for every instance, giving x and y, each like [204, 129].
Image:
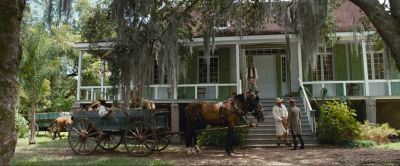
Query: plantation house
[358, 70]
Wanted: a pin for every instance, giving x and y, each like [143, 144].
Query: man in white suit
[280, 114]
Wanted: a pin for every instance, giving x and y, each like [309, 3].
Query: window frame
[321, 59]
[208, 68]
[371, 54]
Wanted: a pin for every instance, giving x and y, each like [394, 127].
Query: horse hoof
[231, 154]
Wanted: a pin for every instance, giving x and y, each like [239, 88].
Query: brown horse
[228, 113]
[59, 124]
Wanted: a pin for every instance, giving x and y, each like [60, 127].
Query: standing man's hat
[278, 100]
[291, 101]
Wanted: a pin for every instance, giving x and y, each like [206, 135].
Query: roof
[344, 15]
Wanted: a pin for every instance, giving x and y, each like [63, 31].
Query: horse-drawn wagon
[141, 131]
[44, 119]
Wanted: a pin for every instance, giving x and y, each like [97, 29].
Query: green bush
[360, 144]
[218, 137]
[21, 125]
[380, 134]
[336, 123]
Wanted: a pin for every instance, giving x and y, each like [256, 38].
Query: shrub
[337, 124]
[218, 137]
[21, 125]
[360, 144]
[380, 134]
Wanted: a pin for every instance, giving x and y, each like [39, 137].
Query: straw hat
[101, 99]
[291, 101]
[95, 103]
[278, 100]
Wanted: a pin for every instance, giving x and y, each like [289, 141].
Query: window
[375, 64]
[324, 68]
[208, 74]
[283, 66]
[156, 74]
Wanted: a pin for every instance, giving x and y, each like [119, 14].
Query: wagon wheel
[140, 139]
[83, 136]
[163, 139]
[109, 141]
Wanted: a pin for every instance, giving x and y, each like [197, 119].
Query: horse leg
[189, 141]
[229, 142]
[196, 147]
[59, 133]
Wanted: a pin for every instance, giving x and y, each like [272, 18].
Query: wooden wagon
[141, 131]
[44, 119]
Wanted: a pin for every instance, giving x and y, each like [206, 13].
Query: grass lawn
[57, 152]
[389, 146]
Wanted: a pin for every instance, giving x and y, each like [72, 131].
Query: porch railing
[355, 87]
[94, 92]
[308, 108]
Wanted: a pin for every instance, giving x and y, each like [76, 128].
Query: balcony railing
[354, 88]
[164, 92]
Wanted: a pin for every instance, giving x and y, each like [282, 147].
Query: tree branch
[395, 9]
[386, 25]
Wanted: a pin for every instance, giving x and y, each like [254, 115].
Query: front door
[266, 71]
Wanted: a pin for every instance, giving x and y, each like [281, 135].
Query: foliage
[390, 146]
[218, 137]
[378, 133]
[359, 144]
[336, 123]
[21, 125]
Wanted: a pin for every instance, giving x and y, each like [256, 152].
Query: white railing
[94, 92]
[308, 107]
[370, 91]
[165, 87]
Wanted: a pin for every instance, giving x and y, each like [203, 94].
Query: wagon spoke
[92, 134]
[80, 147]
[73, 147]
[91, 128]
[136, 135]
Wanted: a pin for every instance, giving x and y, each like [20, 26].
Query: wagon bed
[141, 131]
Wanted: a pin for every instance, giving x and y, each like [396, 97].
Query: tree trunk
[387, 25]
[32, 138]
[11, 12]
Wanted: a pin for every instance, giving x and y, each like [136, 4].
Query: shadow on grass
[85, 160]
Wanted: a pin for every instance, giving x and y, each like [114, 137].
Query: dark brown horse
[59, 124]
[228, 113]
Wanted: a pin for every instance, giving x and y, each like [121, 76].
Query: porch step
[264, 134]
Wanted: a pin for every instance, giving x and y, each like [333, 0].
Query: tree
[386, 22]
[34, 67]
[11, 12]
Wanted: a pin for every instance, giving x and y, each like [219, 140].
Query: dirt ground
[321, 155]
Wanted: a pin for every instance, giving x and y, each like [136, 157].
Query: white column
[103, 66]
[78, 88]
[299, 59]
[364, 56]
[238, 83]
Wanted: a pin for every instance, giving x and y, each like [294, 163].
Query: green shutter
[188, 92]
[278, 75]
[356, 64]
[224, 73]
[339, 57]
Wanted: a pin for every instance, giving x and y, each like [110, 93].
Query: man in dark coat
[294, 121]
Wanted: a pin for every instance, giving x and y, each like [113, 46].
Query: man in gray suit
[294, 121]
